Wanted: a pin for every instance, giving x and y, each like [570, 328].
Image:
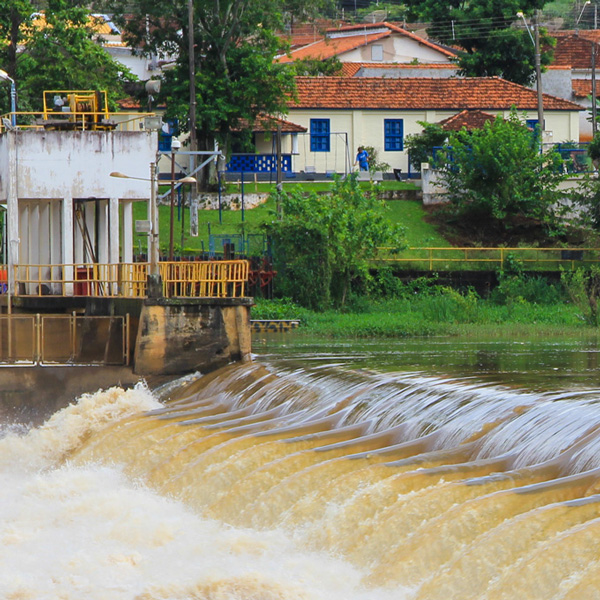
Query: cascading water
[308, 482]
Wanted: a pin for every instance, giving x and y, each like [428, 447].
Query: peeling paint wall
[77, 164]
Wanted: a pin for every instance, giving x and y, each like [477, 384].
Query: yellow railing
[64, 339]
[453, 258]
[206, 279]
[77, 120]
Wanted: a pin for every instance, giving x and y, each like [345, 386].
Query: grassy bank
[408, 213]
[444, 314]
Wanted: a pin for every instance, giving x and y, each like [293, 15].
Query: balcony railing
[197, 279]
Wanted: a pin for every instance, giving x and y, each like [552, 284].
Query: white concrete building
[63, 209]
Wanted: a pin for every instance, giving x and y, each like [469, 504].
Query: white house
[343, 113]
[372, 42]
[570, 75]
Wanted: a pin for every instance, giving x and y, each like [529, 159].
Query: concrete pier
[179, 335]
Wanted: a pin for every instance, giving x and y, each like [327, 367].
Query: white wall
[396, 49]
[366, 128]
[52, 164]
[44, 175]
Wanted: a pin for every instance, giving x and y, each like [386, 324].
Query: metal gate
[64, 339]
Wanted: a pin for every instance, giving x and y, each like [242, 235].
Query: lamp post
[538, 70]
[175, 145]
[593, 69]
[13, 97]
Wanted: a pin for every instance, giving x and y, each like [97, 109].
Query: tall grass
[447, 312]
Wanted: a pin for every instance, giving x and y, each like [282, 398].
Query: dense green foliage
[312, 67]
[234, 44]
[323, 243]
[420, 145]
[495, 40]
[496, 175]
[423, 308]
[60, 52]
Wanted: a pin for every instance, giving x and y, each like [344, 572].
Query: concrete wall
[57, 184]
[395, 49]
[179, 336]
[55, 164]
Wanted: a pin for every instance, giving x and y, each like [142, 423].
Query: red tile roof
[363, 34]
[468, 119]
[350, 69]
[329, 47]
[365, 27]
[582, 88]
[575, 51]
[264, 123]
[418, 93]
[306, 33]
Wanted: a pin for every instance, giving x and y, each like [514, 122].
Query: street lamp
[153, 272]
[593, 69]
[581, 13]
[538, 70]
[175, 145]
[13, 96]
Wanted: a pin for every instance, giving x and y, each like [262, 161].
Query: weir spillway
[263, 483]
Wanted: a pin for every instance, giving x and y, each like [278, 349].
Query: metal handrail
[499, 256]
[79, 120]
[206, 279]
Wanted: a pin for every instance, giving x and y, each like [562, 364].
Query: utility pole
[594, 109]
[538, 75]
[192, 75]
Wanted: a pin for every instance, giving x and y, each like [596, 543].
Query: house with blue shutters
[342, 113]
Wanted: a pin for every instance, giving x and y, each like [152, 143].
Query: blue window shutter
[393, 130]
[319, 135]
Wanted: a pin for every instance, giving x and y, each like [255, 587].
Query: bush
[534, 289]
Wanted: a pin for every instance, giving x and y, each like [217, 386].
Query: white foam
[49, 444]
[73, 533]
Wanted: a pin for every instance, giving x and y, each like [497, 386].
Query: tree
[312, 67]
[323, 243]
[485, 30]
[58, 51]
[420, 145]
[234, 43]
[496, 175]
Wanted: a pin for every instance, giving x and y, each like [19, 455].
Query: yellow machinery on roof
[76, 109]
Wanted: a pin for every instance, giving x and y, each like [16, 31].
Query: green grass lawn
[408, 213]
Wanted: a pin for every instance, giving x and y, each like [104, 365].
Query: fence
[206, 279]
[574, 156]
[454, 259]
[64, 339]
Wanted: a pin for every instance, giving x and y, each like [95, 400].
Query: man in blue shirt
[362, 159]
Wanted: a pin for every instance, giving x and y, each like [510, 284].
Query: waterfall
[315, 482]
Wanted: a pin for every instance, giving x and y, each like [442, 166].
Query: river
[411, 469]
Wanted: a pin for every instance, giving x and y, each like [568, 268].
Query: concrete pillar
[12, 209]
[103, 231]
[113, 240]
[56, 257]
[44, 240]
[68, 243]
[127, 231]
[180, 336]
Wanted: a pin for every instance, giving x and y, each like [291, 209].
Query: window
[319, 135]
[393, 134]
[377, 52]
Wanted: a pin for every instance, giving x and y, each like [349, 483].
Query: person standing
[362, 159]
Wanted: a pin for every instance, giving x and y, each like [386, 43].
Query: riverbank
[447, 314]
